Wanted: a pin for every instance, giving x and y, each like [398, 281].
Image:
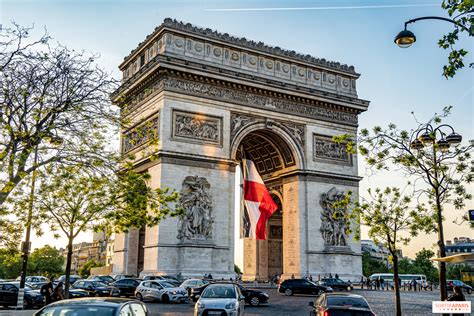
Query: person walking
[47, 291]
[311, 278]
[336, 276]
[382, 284]
[457, 296]
[377, 284]
[368, 284]
[361, 282]
[58, 292]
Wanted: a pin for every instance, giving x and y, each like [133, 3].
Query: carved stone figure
[189, 126]
[197, 220]
[333, 226]
[325, 148]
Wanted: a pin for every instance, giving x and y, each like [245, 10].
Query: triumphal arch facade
[207, 95]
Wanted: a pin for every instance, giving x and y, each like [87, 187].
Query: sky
[360, 33]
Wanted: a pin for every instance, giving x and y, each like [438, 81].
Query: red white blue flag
[258, 204]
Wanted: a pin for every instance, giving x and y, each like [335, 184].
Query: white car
[192, 283]
[220, 299]
[160, 290]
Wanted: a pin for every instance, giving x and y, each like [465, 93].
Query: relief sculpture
[333, 226]
[326, 149]
[197, 220]
[197, 127]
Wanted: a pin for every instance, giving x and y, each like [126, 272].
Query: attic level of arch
[183, 82]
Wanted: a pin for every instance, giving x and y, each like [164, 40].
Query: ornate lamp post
[406, 38]
[438, 140]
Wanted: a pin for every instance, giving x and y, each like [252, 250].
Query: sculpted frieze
[333, 225]
[197, 127]
[324, 148]
[140, 134]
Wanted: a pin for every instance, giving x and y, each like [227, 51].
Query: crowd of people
[381, 284]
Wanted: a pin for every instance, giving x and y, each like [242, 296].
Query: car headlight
[266, 295]
[200, 305]
[174, 292]
[230, 306]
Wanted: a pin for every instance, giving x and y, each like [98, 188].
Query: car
[77, 293]
[124, 287]
[34, 279]
[340, 304]
[192, 283]
[253, 297]
[336, 284]
[107, 279]
[118, 277]
[450, 284]
[302, 286]
[37, 285]
[72, 278]
[94, 288]
[160, 290]
[171, 280]
[95, 306]
[220, 299]
[9, 295]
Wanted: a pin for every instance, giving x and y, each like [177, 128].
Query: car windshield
[166, 284]
[347, 301]
[219, 292]
[99, 284]
[106, 278]
[81, 309]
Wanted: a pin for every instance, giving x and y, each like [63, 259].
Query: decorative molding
[243, 42]
[140, 134]
[297, 132]
[238, 121]
[259, 101]
[197, 128]
[326, 150]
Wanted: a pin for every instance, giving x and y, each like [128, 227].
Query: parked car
[124, 287]
[253, 297]
[160, 290]
[77, 293]
[452, 283]
[36, 286]
[220, 299]
[341, 304]
[192, 283]
[94, 288]
[107, 279]
[34, 279]
[302, 286]
[118, 277]
[95, 306]
[336, 284]
[72, 278]
[9, 295]
[167, 278]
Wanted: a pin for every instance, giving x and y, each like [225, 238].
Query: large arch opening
[273, 156]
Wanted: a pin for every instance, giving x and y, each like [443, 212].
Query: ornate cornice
[243, 42]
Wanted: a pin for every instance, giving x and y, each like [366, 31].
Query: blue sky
[396, 81]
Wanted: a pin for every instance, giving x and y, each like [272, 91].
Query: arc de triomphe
[207, 94]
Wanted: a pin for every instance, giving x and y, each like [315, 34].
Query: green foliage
[405, 266]
[85, 270]
[371, 265]
[461, 12]
[10, 263]
[423, 265]
[47, 261]
[454, 271]
[237, 269]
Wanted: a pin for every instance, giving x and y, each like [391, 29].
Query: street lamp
[406, 38]
[438, 139]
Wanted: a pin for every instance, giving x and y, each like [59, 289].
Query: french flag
[258, 204]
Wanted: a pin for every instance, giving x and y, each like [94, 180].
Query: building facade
[207, 96]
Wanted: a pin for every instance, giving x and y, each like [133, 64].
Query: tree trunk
[442, 253]
[68, 267]
[398, 304]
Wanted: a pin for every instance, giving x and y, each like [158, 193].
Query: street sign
[471, 215]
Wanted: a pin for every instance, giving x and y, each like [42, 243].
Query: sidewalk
[5, 312]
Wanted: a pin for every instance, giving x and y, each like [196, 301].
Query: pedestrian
[413, 283]
[336, 276]
[292, 276]
[368, 284]
[47, 291]
[330, 275]
[58, 292]
[382, 283]
[457, 296]
[311, 278]
[377, 283]
[210, 276]
[361, 282]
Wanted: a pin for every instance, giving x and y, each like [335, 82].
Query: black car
[95, 306]
[341, 304]
[252, 297]
[107, 279]
[72, 278]
[124, 287]
[302, 286]
[452, 283]
[94, 288]
[9, 295]
[336, 284]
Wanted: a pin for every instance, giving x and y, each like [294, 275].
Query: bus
[404, 278]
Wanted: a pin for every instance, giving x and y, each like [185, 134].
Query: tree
[371, 265]
[461, 12]
[85, 270]
[439, 169]
[237, 269]
[423, 265]
[405, 266]
[454, 271]
[10, 263]
[388, 214]
[47, 261]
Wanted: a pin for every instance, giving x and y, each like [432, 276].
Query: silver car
[160, 290]
[219, 299]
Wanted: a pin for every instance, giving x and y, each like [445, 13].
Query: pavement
[382, 302]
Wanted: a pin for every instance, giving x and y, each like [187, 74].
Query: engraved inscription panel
[195, 127]
[325, 149]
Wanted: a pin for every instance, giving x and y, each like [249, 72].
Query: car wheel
[469, 291]
[288, 292]
[139, 296]
[254, 301]
[165, 299]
